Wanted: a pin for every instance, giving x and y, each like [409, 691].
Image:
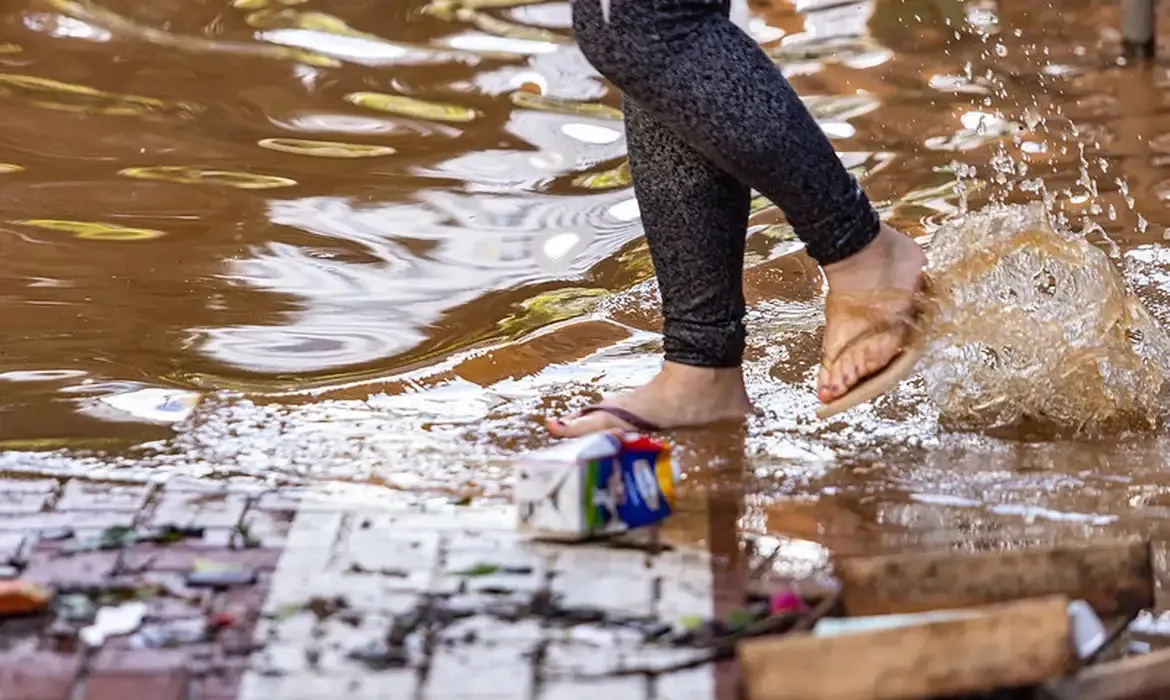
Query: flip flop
[900, 367]
[635, 421]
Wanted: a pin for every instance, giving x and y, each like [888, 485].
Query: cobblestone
[339, 574]
[37, 675]
[119, 674]
[213, 509]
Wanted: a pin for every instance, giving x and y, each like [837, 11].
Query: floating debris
[325, 149]
[786, 602]
[113, 622]
[411, 107]
[74, 608]
[93, 230]
[380, 656]
[172, 633]
[479, 570]
[113, 537]
[69, 97]
[221, 620]
[356, 568]
[153, 404]
[529, 100]
[198, 176]
[594, 485]
[260, 4]
[324, 607]
[170, 533]
[210, 574]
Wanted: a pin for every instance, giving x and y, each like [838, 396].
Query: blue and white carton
[594, 485]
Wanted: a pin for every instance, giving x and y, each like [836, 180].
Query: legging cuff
[704, 345]
[849, 226]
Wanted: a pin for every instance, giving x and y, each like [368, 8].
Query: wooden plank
[1133, 678]
[1012, 644]
[1114, 576]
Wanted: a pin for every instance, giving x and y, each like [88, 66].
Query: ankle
[891, 252]
[706, 378]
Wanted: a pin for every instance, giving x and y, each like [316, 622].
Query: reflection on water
[373, 241]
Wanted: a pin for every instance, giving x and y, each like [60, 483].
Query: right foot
[680, 396]
[868, 293]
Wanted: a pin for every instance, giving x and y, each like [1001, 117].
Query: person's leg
[687, 65]
[695, 219]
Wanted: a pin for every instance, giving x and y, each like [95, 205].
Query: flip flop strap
[634, 420]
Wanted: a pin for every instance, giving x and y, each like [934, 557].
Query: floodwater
[363, 241]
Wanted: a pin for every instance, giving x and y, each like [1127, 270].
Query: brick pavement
[359, 593]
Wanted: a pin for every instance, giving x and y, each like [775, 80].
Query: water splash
[1035, 325]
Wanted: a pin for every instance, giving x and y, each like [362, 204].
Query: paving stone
[77, 519]
[10, 543]
[363, 686]
[502, 672]
[485, 630]
[517, 569]
[268, 527]
[245, 486]
[10, 485]
[220, 509]
[406, 562]
[368, 592]
[621, 688]
[685, 585]
[37, 675]
[316, 499]
[80, 494]
[453, 519]
[693, 684]
[594, 658]
[174, 599]
[338, 636]
[181, 556]
[285, 500]
[12, 501]
[613, 580]
[316, 529]
[244, 603]
[285, 630]
[218, 684]
[304, 657]
[117, 674]
[84, 568]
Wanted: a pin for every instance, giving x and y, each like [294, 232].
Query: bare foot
[679, 396]
[888, 271]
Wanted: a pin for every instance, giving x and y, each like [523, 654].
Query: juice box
[594, 485]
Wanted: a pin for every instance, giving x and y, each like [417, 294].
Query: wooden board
[1114, 576]
[1133, 678]
[1012, 644]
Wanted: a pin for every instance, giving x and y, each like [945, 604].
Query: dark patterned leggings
[708, 118]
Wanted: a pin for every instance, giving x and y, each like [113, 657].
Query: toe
[598, 422]
[855, 364]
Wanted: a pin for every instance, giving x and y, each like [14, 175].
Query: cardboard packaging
[594, 485]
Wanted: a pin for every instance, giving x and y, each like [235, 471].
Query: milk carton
[594, 485]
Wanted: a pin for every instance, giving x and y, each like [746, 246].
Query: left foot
[882, 279]
[679, 397]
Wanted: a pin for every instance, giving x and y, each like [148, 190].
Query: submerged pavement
[233, 591]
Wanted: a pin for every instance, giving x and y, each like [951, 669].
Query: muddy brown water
[233, 202]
